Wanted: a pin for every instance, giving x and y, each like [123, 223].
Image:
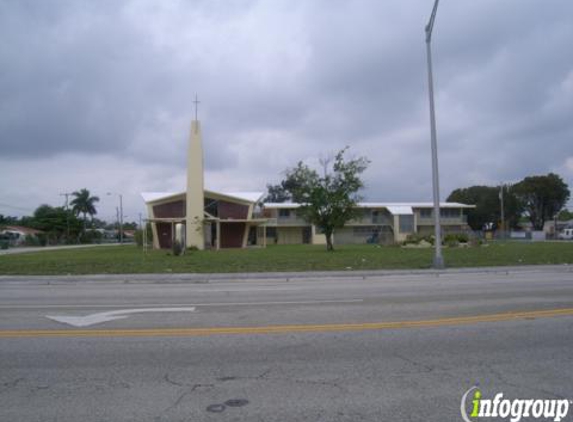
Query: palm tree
[84, 204]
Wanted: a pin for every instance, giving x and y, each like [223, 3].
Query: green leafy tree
[54, 222]
[27, 221]
[488, 205]
[565, 215]
[96, 223]
[542, 197]
[83, 203]
[287, 189]
[6, 220]
[277, 193]
[327, 201]
[130, 225]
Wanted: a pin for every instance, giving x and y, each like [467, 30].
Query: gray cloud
[111, 85]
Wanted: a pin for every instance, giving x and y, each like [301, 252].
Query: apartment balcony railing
[290, 221]
[426, 221]
[382, 220]
[365, 221]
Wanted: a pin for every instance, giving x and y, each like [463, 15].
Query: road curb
[205, 278]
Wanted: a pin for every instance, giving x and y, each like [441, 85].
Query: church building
[199, 218]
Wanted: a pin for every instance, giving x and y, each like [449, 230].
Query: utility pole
[120, 218]
[117, 218]
[67, 194]
[438, 257]
[120, 215]
[502, 188]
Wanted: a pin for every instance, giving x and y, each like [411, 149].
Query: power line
[14, 207]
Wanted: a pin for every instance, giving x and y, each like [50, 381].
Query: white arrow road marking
[85, 321]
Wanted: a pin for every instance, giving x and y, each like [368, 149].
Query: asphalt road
[397, 347]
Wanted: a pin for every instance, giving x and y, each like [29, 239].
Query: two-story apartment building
[378, 222]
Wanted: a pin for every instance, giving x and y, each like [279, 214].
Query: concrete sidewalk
[174, 278]
[26, 249]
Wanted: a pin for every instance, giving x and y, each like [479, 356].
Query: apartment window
[375, 216]
[406, 223]
[449, 213]
[362, 231]
[284, 213]
[426, 213]
[271, 232]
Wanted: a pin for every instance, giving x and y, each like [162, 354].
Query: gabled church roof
[245, 196]
[156, 196]
[241, 196]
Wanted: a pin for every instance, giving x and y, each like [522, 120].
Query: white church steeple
[195, 187]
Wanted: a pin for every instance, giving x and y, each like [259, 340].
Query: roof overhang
[154, 197]
[246, 198]
[165, 220]
[387, 205]
[400, 210]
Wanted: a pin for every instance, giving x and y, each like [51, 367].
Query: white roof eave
[378, 205]
[149, 197]
[250, 197]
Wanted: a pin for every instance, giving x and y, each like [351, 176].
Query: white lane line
[165, 305]
[86, 321]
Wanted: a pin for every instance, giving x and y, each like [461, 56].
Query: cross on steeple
[196, 106]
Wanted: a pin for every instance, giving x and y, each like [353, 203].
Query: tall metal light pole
[438, 257]
[120, 219]
[501, 189]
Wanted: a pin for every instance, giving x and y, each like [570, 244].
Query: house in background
[17, 234]
[552, 228]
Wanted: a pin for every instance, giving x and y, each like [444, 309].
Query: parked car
[566, 234]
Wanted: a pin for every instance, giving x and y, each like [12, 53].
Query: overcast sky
[99, 94]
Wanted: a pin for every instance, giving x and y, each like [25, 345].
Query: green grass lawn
[130, 259]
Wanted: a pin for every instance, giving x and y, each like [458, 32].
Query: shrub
[31, 240]
[412, 239]
[454, 239]
[139, 235]
[91, 236]
[178, 248]
[42, 239]
[451, 241]
[416, 238]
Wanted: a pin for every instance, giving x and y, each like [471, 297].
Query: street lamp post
[438, 257]
[502, 187]
[120, 219]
